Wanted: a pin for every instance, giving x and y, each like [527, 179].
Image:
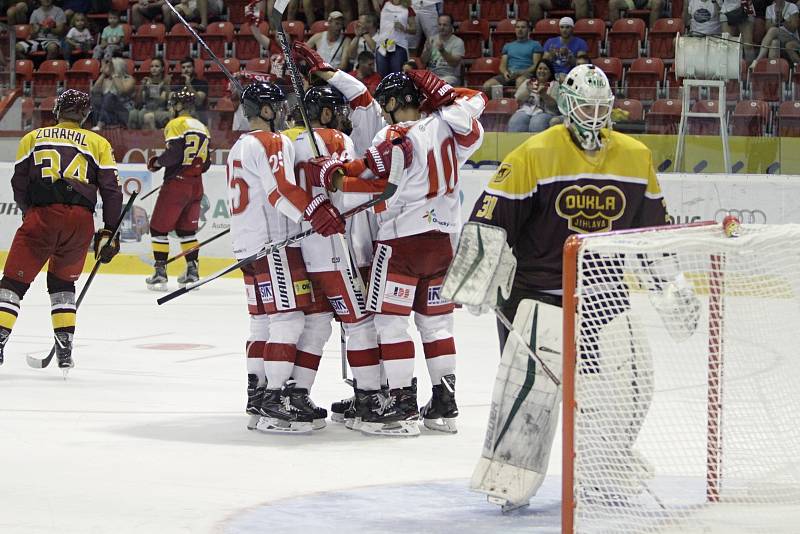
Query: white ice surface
[149, 437]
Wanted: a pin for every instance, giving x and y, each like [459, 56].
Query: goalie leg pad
[524, 411]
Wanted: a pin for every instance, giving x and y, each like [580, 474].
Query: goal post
[681, 381]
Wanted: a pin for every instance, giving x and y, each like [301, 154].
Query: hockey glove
[324, 217]
[379, 158]
[321, 171]
[314, 61]
[153, 165]
[104, 247]
[436, 91]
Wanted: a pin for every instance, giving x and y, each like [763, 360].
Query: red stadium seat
[217, 36]
[480, 71]
[750, 118]
[318, 26]
[458, 9]
[224, 109]
[664, 117]
[350, 30]
[178, 43]
[258, 65]
[245, 47]
[632, 106]
[593, 31]
[495, 116]
[82, 73]
[704, 125]
[45, 112]
[142, 71]
[522, 9]
[544, 30]
[677, 10]
[661, 39]
[24, 70]
[625, 38]
[600, 9]
[474, 33]
[768, 79]
[48, 77]
[503, 33]
[789, 119]
[218, 80]
[612, 66]
[294, 29]
[147, 39]
[644, 78]
[23, 31]
[491, 10]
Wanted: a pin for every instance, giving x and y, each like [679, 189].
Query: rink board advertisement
[772, 199]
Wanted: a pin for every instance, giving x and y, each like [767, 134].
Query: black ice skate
[190, 276]
[286, 411]
[158, 282]
[344, 410]
[64, 351]
[320, 414]
[441, 411]
[393, 415]
[3, 340]
[255, 396]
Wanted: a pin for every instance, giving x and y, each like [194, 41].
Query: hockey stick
[395, 175]
[40, 364]
[150, 192]
[148, 260]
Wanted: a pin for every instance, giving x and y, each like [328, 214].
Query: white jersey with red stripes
[323, 254]
[365, 113]
[265, 202]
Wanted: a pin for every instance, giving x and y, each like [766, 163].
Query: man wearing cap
[538, 7]
[332, 43]
[519, 59]
[563, 50]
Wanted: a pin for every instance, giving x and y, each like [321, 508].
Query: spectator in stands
[519, 59]
[737, 17]
[194, 11]
[365, 70]
[332, 43]
[345, 7]
[583, 58]
[427, 16]
[562, 50]
[783, 19]
[537, 100]
[145, 11]
[112, 39]
[616, 7]
[397, 24]
[17, 13]
[79, 38]
[364, 41]
[188, 78]
[112, 94]
[538, 7]
[49, 25]
[702, 17]
[443, 52]
[151, 99]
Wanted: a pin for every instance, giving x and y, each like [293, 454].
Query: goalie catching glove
[324, 217]
[105, 248]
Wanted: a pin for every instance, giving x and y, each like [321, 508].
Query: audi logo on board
[745, 216]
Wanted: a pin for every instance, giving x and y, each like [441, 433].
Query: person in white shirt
[332, 43]
[783, 20]
[702, 17]
[397, 23]
[268, 205]
[428, 12]
[78, 38]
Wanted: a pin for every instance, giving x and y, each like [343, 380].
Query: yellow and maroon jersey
[548, 189]
[186, 154]
[65, 164]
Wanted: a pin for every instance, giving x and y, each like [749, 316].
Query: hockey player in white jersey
[414, 248]
[266, 205]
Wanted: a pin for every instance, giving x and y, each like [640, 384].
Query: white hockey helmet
[585, 99]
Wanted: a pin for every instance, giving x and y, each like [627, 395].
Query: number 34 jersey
[265, 202]
[187, 139]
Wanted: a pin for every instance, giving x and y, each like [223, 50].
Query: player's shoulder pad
[100, 149]
[517, 177]
[625, 142]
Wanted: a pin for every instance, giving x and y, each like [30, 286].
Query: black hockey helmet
[400, 86]
[259, 94]
[184, 96]
[72, 104]
[325, 96]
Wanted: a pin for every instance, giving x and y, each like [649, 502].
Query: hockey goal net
[681, 380]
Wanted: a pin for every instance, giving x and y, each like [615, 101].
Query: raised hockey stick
[44, 362]
[395, 175]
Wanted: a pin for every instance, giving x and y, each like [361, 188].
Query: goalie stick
[44, 362]
[395, 175]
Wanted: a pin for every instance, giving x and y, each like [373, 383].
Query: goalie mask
[585, 99]
[72, 105]
[259, 94]
[318, 99]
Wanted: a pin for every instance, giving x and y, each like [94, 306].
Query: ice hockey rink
[147, 434]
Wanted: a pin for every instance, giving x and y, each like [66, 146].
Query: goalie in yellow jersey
[184, 161]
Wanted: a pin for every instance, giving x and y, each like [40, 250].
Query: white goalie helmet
[585, 99]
